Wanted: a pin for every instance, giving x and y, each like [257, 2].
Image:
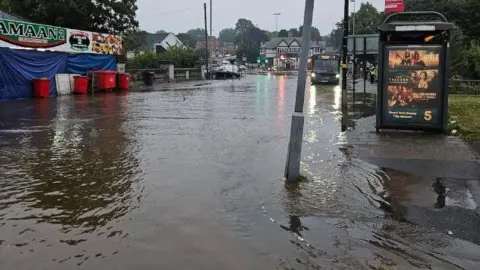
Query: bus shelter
[413, 72]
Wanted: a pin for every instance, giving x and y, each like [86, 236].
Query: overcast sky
[181, 15]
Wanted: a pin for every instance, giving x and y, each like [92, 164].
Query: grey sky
[181, 15]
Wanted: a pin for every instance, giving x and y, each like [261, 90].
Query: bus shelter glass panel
[413, 80]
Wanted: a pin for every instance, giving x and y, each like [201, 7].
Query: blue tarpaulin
[19, 67]
[82, 63]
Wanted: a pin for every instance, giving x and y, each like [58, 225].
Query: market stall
[31, 51]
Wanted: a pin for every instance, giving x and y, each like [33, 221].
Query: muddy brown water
[193, 180]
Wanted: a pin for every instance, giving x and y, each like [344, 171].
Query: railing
[187, 74]
[160, 73]
[465, 87]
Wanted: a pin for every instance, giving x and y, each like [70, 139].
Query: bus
[325, 69]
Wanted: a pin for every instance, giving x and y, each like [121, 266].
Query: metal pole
[354, 16]
[206, 42]
[211, 18]
[276, 20]
[354, 77]
[344, 67]
[364, 65]
[292, 168]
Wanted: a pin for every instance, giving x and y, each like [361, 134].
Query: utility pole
[345, 67]
[354, 16]
[206, 41]
[211, 18]
[276, 20]
[211, 27]
[294, 156]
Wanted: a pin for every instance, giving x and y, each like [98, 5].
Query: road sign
[394, 6]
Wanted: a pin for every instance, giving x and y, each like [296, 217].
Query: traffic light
[258, 60]
[266, 61]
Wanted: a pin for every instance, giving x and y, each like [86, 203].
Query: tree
[462, 12]
[160, 32]
[283, 33]
[227, 35]
[248, 39]
[367, 19]
[315, 35]
[116, 17]
[294, 32]
[187, 40]
[196, 34]
[336, 36]
[132, 41]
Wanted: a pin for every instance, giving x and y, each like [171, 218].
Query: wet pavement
[192, 179]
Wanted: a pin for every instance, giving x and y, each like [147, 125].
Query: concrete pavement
[440, 172]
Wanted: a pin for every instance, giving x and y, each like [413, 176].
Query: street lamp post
[292, 168]
[276, 20]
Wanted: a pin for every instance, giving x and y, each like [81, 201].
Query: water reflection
[77, 169]
[312, 103]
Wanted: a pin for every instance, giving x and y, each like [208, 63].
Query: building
[284, 53]
[214, 46]
[228, 48]
[217, 48]
[156, 42]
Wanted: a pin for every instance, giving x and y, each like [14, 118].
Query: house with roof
[156, 42]
[284, 52]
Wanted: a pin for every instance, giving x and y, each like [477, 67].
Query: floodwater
[192, 179]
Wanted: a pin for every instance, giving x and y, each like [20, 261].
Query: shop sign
[31, 35]
[37, 36]
[79, 40]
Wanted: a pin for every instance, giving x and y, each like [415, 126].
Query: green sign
[32, 35]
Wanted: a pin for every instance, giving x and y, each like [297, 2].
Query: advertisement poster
[107, 44]
[19, 34]
[414, 88]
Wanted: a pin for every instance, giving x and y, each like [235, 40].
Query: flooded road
[193, 180]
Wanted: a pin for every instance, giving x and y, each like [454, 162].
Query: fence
[168, 74]
[465, 87]
[181, 74]
[161, 74]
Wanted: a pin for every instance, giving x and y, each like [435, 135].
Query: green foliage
[464, 112]
[367, 19]
[116, 17]
[143, 61]
[182, 57]
[132, 41]
[283, 33]
[474, 55]
[316, 36]
[227, 35]
[197, 34]
[187, 40]
[248, 39]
